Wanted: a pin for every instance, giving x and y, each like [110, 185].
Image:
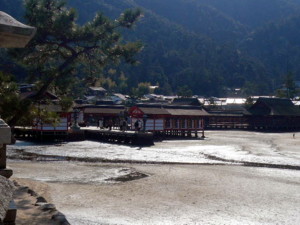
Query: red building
[48, 104]
[153, 115]
[62, 124]
[174, 119]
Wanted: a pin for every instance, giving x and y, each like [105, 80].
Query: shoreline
[224, 162]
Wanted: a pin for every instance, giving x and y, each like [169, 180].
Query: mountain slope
[277, 45]
[200, 18]
[209, 45]
[175, 56]
[255, 13]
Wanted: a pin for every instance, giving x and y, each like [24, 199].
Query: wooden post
[202, 121]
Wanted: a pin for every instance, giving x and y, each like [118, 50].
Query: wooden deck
[29, 133]
[88, 133]
[122, 137]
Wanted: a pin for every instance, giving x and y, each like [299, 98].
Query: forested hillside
[208, 45]
[277, 45]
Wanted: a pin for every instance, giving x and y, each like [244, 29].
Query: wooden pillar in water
[202, 122]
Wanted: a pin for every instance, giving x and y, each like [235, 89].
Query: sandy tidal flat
[205, 192]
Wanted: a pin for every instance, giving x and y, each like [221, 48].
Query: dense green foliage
[10, 103]
[60, 46]
[277, 45]
[209, 46]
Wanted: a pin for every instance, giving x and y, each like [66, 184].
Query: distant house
[118, 98]
[213, 101]
[31, 95]
[96, 91]
[186, 102]
[26, 88]
[274, 114]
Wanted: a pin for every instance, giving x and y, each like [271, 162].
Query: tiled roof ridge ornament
[14, 34]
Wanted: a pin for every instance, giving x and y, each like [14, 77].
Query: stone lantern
[13, 34]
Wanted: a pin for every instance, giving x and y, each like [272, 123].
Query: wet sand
[180, 194]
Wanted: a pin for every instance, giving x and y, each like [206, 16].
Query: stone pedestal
[5, 138]
[6, 172]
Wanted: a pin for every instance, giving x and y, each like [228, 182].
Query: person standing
[139, 124]
[124, 125]
[136, 125]
[100, 123]
[110, 124]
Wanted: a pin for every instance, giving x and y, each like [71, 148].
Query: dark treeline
[210, 46]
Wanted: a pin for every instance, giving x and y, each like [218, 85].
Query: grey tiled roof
[274, 107]
[186, 112]
[103, 109]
